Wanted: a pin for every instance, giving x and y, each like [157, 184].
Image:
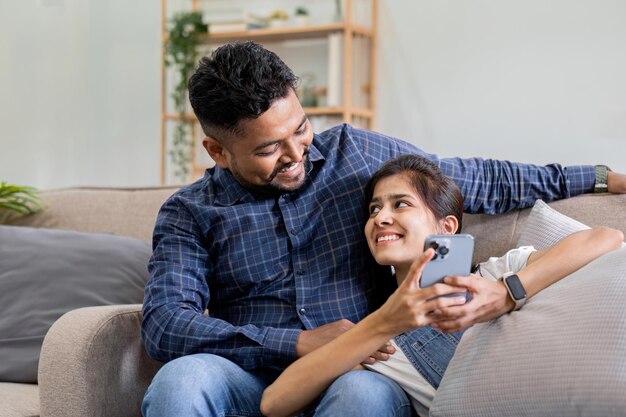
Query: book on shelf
[245, 21]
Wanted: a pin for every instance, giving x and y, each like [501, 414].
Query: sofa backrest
[121, 211]
[133, 211]
[495, 235]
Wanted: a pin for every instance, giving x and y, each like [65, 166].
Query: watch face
[515, 286]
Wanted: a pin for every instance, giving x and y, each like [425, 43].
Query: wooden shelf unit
[346, 111]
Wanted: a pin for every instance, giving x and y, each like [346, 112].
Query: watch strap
[602, 179]
[519, 302]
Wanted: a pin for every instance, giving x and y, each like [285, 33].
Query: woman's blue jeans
[208, 385]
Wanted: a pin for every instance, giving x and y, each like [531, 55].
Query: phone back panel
[456, 259]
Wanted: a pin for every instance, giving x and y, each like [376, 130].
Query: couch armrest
[93, 363]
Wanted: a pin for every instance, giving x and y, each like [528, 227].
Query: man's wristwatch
[515, 289]
[602, 183]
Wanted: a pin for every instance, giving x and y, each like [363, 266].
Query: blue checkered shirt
[268, 268]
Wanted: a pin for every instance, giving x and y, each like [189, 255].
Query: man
[270, 242]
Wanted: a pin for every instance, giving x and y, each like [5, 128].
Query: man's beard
[270, 189]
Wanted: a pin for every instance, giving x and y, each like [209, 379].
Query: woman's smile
[387, 237]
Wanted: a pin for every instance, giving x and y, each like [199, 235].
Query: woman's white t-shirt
[398, 367]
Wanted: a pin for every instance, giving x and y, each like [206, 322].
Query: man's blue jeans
[208, 385]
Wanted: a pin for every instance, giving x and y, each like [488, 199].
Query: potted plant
[184, 36]
[16, 200]
[301, 16]
[278, 18]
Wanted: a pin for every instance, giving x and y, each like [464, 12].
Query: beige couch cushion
[121, 211]
[19, 400]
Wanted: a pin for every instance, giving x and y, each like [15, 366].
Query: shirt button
[294, 231]
[303, 311]
[300, 272]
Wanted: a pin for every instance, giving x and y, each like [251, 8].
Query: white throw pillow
[562, 354]
[545, 226]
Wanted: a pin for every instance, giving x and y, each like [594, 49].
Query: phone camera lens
[443, 250]
[434, 245]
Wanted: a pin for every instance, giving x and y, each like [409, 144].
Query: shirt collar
[228, 191]
[314, 153]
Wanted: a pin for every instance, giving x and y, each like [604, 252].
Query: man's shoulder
[346, 132]
[350, 143]
[201, 190]
[347, 137]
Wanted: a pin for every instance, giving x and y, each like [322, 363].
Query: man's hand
[310, 340]
[616, 183]
[382, 354]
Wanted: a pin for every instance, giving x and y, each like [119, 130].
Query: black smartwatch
[515, 288]
[602, 179]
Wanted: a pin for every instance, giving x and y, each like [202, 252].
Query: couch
[92, 361]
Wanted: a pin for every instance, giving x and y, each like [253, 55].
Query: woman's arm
[490, 299]
[407, 308]
[547, 266]
[305, 379]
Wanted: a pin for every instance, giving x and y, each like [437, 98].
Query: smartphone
[453, 256]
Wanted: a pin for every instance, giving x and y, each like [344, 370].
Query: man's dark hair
[240, 80]
[440, 194]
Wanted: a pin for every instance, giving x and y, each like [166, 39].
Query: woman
[409, 199]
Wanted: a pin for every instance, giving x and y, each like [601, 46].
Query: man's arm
[492, 186]
[177, 295]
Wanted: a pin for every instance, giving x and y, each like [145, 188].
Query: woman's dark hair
[240, 80]
[440, 194]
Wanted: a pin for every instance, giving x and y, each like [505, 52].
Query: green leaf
[18, 208]
[19, 200]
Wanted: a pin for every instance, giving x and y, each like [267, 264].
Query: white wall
[534, 80]
[79, 92]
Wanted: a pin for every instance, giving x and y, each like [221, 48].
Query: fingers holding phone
[409, 306]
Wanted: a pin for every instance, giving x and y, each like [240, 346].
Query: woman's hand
[489, 300]
[410, 306]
